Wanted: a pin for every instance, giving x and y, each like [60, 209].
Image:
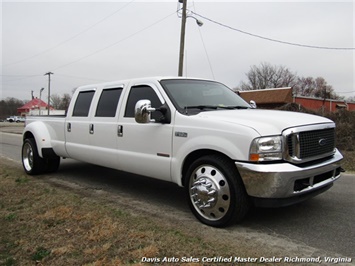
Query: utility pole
[182, 37]
[40, 100]
[49, 88]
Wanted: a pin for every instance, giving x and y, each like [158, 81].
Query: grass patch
[10, 217]
[348, 162]
[22, 179]
[53, 225]
[47, 225]
[40, 254]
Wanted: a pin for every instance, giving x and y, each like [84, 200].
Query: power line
[21, 77]
[71, 38]
[76, 77]
[270, 39]
[18, 75]
[204, 45]
[97, 51]
[345, 91]
[115, 43]
[208, 58]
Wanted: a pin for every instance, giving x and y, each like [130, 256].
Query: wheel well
[28, 135]
[194, 156]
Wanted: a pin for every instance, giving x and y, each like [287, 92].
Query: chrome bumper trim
[278, 180]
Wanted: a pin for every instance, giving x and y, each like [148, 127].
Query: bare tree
[304, 86]
[60, 102]
[55, 101]
[9, 106]
[317, 88]
[284, 78]
[64, 104]
[268, 76]
[350, 99]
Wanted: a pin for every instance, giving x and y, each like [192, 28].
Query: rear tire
[52, 164]
[31, 161]
[215, 191]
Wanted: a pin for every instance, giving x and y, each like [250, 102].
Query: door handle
[91, 128]
[69, 127]
[120, 131]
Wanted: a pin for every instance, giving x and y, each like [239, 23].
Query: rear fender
[41, 135]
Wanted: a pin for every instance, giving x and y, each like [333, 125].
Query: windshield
[192, 96]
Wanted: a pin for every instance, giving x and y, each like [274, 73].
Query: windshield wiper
[233, 107]
[213, 107]
[201, 107]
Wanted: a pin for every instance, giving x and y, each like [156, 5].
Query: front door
[147, 148]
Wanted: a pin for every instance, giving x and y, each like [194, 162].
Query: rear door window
[108, 102]
[82, 104]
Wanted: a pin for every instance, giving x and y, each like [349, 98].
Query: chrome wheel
[209, 192]
[32, 163]
[215, 191]
[27, 157]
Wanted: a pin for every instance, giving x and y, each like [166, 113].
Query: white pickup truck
[16, 119]
[196, 133]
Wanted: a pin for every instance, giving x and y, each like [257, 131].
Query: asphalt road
[324, 223]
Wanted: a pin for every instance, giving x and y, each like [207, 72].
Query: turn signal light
[254, 157]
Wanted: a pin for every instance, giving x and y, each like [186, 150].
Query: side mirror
[252, 104]
[142, 111]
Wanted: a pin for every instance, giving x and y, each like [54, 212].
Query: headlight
[266, 149]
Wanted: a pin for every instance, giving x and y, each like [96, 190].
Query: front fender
[236, 149]
[41, 135]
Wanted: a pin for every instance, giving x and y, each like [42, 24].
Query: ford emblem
[322, 142]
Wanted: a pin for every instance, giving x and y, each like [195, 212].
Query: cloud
[89, 42]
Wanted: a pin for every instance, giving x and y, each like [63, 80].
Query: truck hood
[265, 122]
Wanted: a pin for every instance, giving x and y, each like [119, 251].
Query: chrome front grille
[303, 146]
[318, 142]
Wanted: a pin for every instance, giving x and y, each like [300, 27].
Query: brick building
[274, 98]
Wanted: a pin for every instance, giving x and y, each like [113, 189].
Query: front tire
[215, 191]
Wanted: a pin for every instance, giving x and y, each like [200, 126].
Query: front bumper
[285, 180]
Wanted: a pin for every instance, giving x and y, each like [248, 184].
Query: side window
[108, 102]
[83, 102]
[141, 93]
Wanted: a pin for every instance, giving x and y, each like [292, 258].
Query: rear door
[77, 126]
[103, 127]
